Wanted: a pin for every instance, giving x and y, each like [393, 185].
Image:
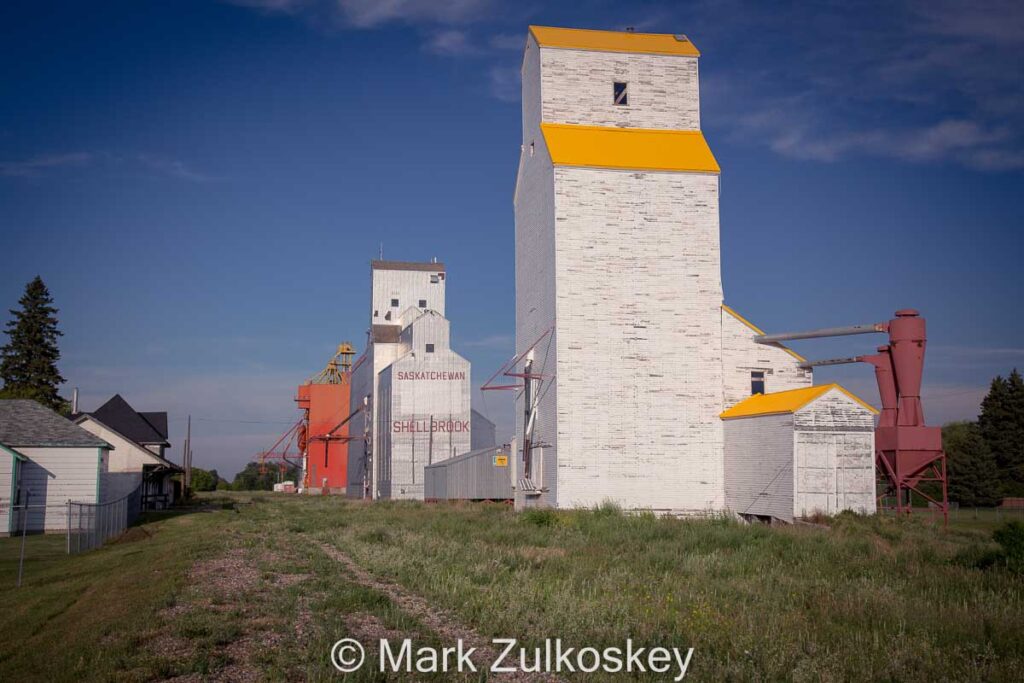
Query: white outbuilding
[793, 454]
[52, 462]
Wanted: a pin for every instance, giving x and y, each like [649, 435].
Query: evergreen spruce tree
[1002, 426]
[1013, 458]
[28, 362]
[974, 479]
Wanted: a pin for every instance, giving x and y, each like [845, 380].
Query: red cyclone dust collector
[907, 452]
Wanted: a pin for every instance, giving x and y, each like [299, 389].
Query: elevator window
[621, 93]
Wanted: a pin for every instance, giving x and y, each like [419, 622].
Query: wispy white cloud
[371, 13]
[40, 165]
[505, 83]
[508, 41]
[173, 168]
[285, 6]
[36, 166]
[451, 42]
[987, 20]
[966, 142]
[929, 82]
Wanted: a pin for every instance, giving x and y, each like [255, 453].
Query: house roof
[122, 418]
[89, 417]
[629, 148]
[158, 421]
[614, 41]
[25, 423]
[785, 402]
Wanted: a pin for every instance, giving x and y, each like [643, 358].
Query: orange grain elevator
[324, 434]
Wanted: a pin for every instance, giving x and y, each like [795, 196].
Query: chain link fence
[90, 525]
[44, 532]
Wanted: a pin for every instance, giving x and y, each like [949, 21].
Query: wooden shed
[59, 462]
[797, 453]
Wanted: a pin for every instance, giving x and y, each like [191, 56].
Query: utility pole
[430, 444]
[186, 459]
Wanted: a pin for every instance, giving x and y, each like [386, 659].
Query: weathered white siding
[365, 383]
[535, 279]
[835, 464]
[759, 466]
[639, 348]
[409, 287]
[124, 469]
[577, 88]
[361, 383]
[57, 475]
[423, 417]
[741, 356]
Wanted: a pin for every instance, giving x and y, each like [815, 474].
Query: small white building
[51, 462]
[796, 453]
[138, 441]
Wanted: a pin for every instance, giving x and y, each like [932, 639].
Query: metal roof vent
[681, 37]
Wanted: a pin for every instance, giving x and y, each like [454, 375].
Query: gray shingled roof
[26, 423]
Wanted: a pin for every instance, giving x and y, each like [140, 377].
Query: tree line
[985, 458]
[249, 479]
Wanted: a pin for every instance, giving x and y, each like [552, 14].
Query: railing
[91, 524]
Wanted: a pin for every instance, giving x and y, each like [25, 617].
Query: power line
[254, 422]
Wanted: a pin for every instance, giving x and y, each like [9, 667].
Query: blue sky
[202, 183]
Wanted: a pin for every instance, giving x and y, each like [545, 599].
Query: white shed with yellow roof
[797, 453]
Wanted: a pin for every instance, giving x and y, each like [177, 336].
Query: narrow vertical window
[756, 382]
[621, 93]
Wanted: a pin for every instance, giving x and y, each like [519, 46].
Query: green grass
[869, 599]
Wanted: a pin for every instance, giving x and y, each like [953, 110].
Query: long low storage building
[483, 474]
[797, 453]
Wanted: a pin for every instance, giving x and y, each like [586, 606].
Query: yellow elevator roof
[628, 148]
[614, 41]
[784, 402]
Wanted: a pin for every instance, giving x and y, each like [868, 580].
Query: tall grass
[871, 598]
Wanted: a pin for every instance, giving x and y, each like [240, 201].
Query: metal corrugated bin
[484, 474]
